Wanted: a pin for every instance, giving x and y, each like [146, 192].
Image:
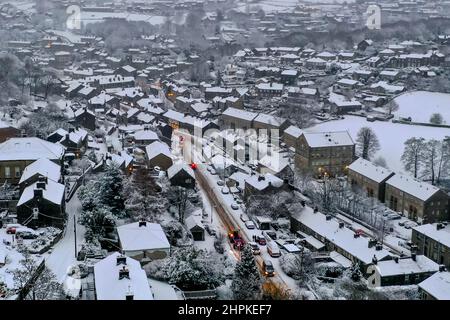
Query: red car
[261, 240]
[236, 240]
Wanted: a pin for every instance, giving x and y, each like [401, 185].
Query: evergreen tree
[247, 283]
[111, 190]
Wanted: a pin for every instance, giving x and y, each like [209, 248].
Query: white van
[273, 250]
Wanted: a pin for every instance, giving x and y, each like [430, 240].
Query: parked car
[270, 235]
[261, 240]
[268, 268]
[250, 225]
[255, 248]
[12, 227]
[213, 172]
[273, 250]
[225, 190]
[410, 224]
[26, 233]
[244, 217]
[234, 206]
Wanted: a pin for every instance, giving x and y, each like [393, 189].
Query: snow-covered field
[420, 105]
[391, 135]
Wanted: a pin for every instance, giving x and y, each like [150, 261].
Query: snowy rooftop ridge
[430, 230]
[146, 237]
[370, 170]
[30, 149]
[412, 186]
[328, 139]
[53, 192]
[406, 266]
[42, 167]
[108, 286]
[438, 285]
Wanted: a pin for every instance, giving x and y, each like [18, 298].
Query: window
[17, 172]
[7, 172]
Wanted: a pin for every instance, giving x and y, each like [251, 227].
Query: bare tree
[391, 106]
[26, 277]
[367, 143]
[431, 160]
[413, 154]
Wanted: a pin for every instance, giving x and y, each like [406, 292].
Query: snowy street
[63, 254]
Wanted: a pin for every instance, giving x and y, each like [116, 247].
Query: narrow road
[63, 254]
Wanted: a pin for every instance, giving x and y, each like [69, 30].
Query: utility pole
[75, 233]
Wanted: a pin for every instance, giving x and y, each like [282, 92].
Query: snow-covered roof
[416, 188]
[109, 287]
[53, 192]
[157, 148]
[174, 169]
[405, 266]
[270, 86]
[342, 101]
[294, 131]
[135, 238]
[30, 149]
[240, 114]
[261, 182]
[193, 221]
[438, 285]
[328, 139]
[269, 119]
[431, 231]
[145, 135]
[341, 237]
[370, 170]
[43, 167]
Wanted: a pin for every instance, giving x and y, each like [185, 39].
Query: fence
[77, 184]
[200, 295]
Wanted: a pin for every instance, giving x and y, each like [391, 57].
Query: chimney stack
[121, 259]
[374, 259]
[142, 223]
[396, 259]
[414, 256]
[124, 273]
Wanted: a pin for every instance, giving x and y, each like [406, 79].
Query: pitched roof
[419, 189]
[30, 149]
[135, 238]
[370, 170]
[438, 285]
[109, 287]
[157, 148]
[53, 192]
[43, 167]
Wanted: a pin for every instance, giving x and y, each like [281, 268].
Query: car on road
[234, 206]
[220, 183]
[244, 217]
[261, 240]
[393, 216]
[270, 235]
[225, 190]
[250, 225]
[268, 268]
[213, 172]
[273, 250]
[255, 248]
